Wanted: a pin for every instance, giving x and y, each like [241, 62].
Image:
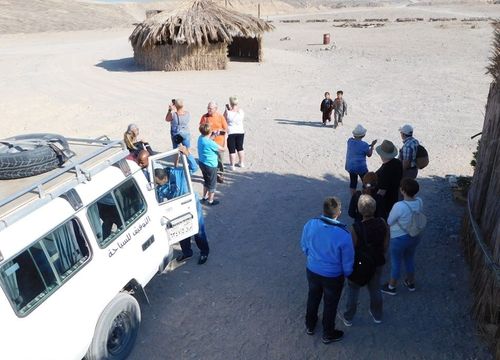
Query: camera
[178, 139]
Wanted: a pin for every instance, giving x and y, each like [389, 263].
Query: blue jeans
[328, 288]
[403, 248]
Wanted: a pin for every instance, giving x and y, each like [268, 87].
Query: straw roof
[494, 67]
[197, 22]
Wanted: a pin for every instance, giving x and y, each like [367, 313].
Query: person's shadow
[312, 123]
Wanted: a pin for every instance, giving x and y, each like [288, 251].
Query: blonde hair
[179, 103]
[129, 137]
[233, 100]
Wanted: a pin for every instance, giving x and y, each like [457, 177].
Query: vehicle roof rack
[21, 196]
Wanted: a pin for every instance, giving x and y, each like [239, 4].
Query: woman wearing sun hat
[355, 160]
[389, 175]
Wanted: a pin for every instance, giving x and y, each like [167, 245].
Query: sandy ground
[248, 301]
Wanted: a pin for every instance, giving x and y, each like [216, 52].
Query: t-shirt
[235, 121]
[217, 122]
[389, 177]
[400, 216]
[207, 151]
[355, 160]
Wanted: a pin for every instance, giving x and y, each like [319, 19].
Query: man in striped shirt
[408, 153]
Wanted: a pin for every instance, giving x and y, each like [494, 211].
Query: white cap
[359, 131]
[406, 129]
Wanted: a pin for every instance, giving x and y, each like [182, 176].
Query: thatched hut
[199, 35]
[481, 231]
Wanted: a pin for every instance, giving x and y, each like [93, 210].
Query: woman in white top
[236, 133]
[402, 245]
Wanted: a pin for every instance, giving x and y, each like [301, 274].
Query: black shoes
[183, 257]
[336, 335]
[203, 259]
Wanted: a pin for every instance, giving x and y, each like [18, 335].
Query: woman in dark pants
[373, 232]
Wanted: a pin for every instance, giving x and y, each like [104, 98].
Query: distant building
[197, 36]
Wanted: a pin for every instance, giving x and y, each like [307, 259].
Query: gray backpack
[417, 223]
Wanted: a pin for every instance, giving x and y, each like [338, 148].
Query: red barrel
[326, 39]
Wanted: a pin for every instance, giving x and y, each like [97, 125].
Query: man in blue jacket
[330, 258]
[173, 183]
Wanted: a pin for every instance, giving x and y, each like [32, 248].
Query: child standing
[326, 108]
[340, 109]
[355, 160]
[207, 152]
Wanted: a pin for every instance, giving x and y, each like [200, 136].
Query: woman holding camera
[179, 123]
[234, 118]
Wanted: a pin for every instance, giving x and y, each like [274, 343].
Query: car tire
[116, 330]
[30, 160]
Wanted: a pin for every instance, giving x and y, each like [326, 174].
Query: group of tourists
[387, 215]
[216, 131]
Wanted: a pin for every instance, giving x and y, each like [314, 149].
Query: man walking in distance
[330, 257]
[219, 127]
[408, 153]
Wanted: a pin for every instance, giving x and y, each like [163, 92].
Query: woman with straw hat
[357, 151]
[389, 175]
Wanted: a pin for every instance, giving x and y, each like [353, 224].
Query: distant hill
[28, 16]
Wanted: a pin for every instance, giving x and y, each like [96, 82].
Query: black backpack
[364, 261]
[422, 158]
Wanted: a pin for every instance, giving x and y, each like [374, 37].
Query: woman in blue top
[355, 160]
[207, 153]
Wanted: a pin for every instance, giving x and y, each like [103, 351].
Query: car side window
[170, 179]
[115, 211]
[34, 274]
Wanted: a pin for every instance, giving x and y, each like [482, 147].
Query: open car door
[174, 192]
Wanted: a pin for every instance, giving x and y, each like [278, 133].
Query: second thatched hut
[199, 35]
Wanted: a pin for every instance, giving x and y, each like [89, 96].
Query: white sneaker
[343, 319]
[376, 321]
[231, 167]
[241, 165]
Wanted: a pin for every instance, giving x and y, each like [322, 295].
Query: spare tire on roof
[31, 154]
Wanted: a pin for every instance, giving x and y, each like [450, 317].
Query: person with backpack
[408, 152]
[406, 221]
[371, 239]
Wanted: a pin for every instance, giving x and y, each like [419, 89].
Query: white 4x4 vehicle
[77, 246]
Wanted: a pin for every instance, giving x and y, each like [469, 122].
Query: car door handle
[186, 202]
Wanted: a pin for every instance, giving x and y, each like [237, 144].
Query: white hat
[359, 131]
[406, 129]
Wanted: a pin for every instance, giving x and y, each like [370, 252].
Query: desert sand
[248, 301]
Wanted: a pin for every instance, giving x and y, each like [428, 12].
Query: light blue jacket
[328, 247]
